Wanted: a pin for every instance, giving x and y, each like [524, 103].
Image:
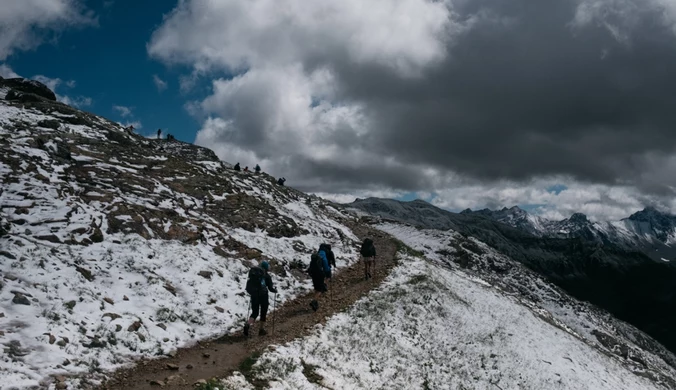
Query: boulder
[25, 86]
[20, 299]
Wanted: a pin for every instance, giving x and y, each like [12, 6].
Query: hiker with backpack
[258, 169]
[237, 167]
[257, 285]
[368, 252]
[319, 270]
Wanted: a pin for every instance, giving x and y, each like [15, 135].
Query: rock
[52, 339]
[170, 288]
[125, 298]
[11, 278]
[118, 328]
[2, 315]
[50, 238]
[109, 300]
[112, 316]
[166, 339]
[7, 255]
[189, 367]
[28, 86]
[50, 124]
[61, 386]
[157, 383]
[85, 272]
[162, 326]
[96, 343]
[172, 367]
[66, 363]
[219, 309]
[20, 299]
[14, 95]
[200, 382]
[62, 343]
[70, 304]
[141, 337]
[134, 327]
[2, 333]
[205, 274]
[206, 355]
[97, 236]
[60, 378]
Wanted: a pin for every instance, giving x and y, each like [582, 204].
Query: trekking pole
[274, 314]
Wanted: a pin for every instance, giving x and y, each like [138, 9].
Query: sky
[559, 106]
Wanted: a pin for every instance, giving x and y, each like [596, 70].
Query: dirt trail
[220, 357]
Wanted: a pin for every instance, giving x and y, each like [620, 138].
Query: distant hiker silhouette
[319, 270]
[237, 168]
[258, 168]
[129, 129]
[246, 168]
[368, 252]
[281, 181]
[257, 285]
[170, 137]
[159, 133]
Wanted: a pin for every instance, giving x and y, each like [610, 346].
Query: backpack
[256, 280]
[367, 248]
[315, 268]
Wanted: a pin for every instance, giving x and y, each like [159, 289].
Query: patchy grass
[246, 367]
[407, 250]
[417, 279]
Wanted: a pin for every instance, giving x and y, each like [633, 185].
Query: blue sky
[110, 64]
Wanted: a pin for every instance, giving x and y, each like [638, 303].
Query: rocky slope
[626, 283]
[456, 314]
[114, 246]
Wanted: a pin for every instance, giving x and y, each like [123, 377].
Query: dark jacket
[260, 290]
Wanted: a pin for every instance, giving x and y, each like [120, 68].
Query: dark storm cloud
[524, 93]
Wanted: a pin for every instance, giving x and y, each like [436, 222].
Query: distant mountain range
[623, 267]
[649, 231]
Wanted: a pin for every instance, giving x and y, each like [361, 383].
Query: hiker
[130, 129]
[170, 137]
[258, 168]
[159, 133]
[368, 252]
[258, 285]
[281, 181]
[246, 168]
[331, 257]
[319, 270]
[237, 168]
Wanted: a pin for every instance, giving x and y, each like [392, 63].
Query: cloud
[137, 124]
[123, 111]
[25, 24]
[54, 83]
[159, 83]
[7, 72]
[417, 95]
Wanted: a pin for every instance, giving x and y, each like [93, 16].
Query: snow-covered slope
[465, 317]
[113, 246]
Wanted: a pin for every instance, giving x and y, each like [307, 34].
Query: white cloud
[137, 124]
[23, 23]
[159, 83]
[79, 101]
[123, 111]
[54, 83]
[403, 35]
[7, 72]
[621, 17]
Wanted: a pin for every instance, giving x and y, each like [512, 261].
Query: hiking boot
[314, 305]
[246, 329]
[262, 332]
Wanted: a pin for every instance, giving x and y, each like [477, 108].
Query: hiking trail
[220, 357]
